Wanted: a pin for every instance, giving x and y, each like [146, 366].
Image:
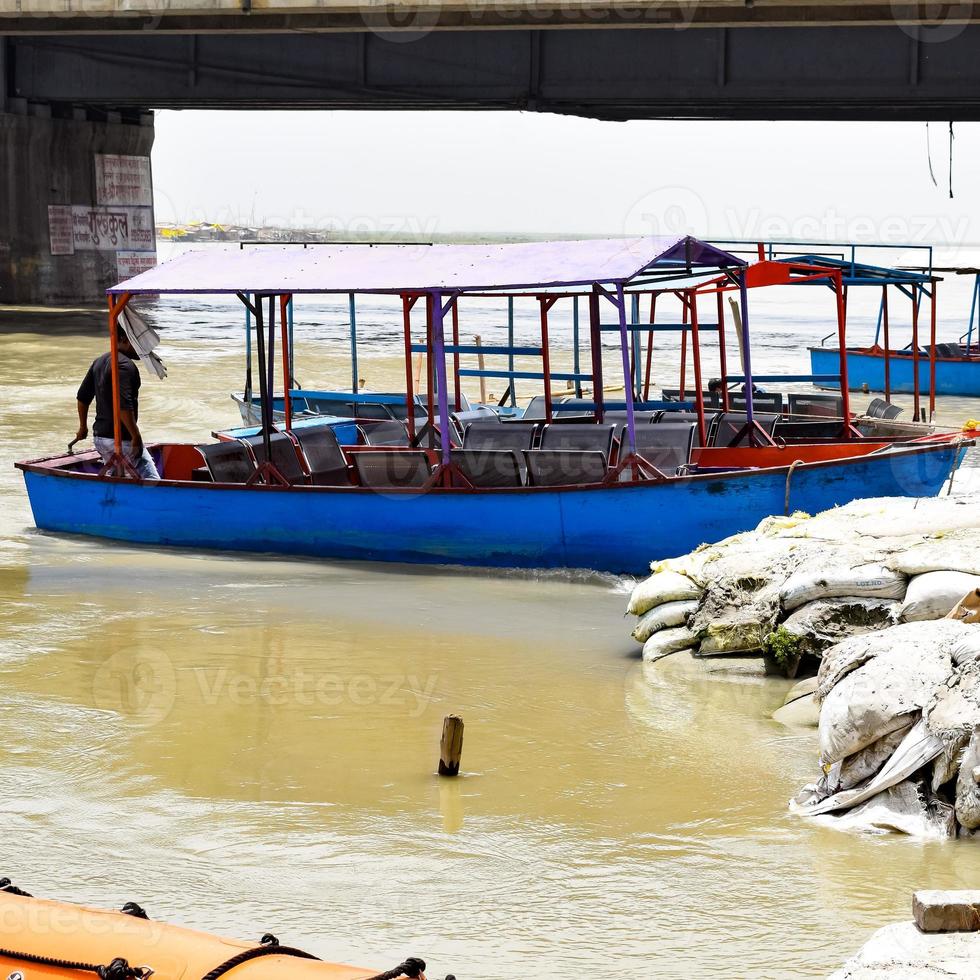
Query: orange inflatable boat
[42, 939]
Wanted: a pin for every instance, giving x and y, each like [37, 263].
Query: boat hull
[617, 528]
[954, 376]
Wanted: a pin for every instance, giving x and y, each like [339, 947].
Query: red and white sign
[129, 264]
[123, 180]
[60, 232]
[112, 229]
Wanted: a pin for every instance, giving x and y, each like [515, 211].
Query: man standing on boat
[97, 385]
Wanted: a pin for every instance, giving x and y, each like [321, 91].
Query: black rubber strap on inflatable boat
[136, 911]
[118, 969]
[270, 947]
[6, 885]
[412, 967]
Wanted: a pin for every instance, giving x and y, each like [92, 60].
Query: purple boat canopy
[281, 269]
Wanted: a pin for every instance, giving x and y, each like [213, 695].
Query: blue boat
[607, 488]
[957, 373]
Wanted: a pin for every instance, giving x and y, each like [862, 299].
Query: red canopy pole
[649, 368]
[456, 394]
[428, 358]
[845, 392]
[595, 342]
[696, 352]
[683, 379]
[915, 352]
[286, 380]
[546, 303]
[932, 352]
[884, 324]
[407, 303]
[115, 308]
[722, 350]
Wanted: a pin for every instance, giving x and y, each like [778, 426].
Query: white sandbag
[934, 595]
[955, 710]
[968, 785]
[823, 623]
[668, 641]
[723, 638]
[898, 681]
[900, 809]
[957, 551]
[866, 581]
[850, 654]
[663, 617]
[665, 586]
[802, 712]
[966, 650]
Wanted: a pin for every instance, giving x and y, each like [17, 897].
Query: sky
[517, 173]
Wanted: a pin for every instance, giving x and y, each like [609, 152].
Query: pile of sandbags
[796, 586]
[899, 731]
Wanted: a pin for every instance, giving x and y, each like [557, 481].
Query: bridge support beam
[59, 243]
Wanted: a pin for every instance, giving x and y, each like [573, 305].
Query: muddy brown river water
[246, 744]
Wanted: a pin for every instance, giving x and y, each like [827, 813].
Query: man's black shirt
[97, 384]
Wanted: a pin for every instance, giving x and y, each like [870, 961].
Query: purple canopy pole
[442, 391]
[746, 348]
[627, 372]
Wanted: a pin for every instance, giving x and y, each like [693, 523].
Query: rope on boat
[789, 478]
[118, 969]
[136, 911]
[270, 947]
[6, 885]
[412, 967]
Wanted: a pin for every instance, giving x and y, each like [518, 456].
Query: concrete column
[46, 160]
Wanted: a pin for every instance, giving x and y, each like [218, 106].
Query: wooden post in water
[451, 745]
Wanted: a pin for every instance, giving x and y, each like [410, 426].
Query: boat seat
[283, 455]
[712, 398]
[562, 467]
[460, 420]
[806, 430]
[227, 462]
[640, 418]
[667, 446]
[324, 458]
[580, 436]
[880, 409]
[490, 467]
[387, 433]
[392, 469]
[762, 401]
[729, 429]
[517, 436]
[535, 409]
[949, 350]
[823, 406]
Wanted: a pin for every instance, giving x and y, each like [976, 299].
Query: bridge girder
[885, 72]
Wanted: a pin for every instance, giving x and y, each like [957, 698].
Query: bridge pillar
[76, 210]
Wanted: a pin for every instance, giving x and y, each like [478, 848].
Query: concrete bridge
[78, 78]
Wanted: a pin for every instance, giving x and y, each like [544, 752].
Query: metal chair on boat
[394, 469]
[323, 456]
[731, 429]
[227, 462]
[581, 436]
[667, 446]
[762, 401]
[820, 406]
[386, 433]
[495, 435]
[562, 467]
[282, 455]
[712, 398]
[460, 420]
[490, 467]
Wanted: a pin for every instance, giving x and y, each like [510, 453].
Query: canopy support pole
[649, 365]
[510, 343]
[885, 337]
[845, 388]
[932, 352]
[407, 303]
[287, 351]
[546, 303]
[439, 353]
[624, 346]
[973, 312]
[248, 354]
[292, 357]
[576, 348]
[264, 393]
[692, 300]
[354, 375]
[637, 345]
[722, 350]
[117, 464]
[743, 297]
[457, 401]
[915, 352]
[595, 344]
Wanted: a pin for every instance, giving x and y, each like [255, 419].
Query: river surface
[248, 744]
